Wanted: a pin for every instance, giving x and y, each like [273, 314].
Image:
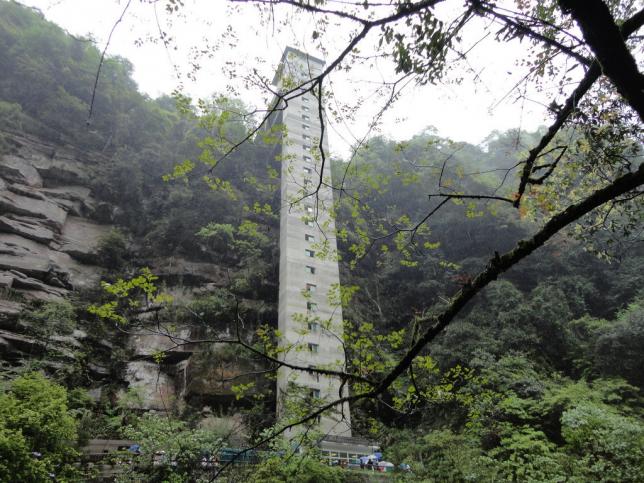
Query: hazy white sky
[468, 111]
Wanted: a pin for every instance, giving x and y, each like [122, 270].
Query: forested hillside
[539, 379]
[554, 347]
[84, 201]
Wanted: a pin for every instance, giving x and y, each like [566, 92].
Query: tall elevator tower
[310, 322]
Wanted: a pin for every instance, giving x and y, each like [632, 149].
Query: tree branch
[102, 60]
[522, 28]
[500, 264]
[607, 42]
[629, 27]
[471, 197]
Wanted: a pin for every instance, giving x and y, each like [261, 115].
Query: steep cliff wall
[48, 236]
[52, 227]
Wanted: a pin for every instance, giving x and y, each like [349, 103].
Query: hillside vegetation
[540, 379]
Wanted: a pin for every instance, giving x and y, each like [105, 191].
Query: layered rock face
[48, 241]
[51, 227]
[48, 248]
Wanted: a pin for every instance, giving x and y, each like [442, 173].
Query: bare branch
[524, 29]
[309, 8]
[471, 197]
[593, 73]
[102, 60]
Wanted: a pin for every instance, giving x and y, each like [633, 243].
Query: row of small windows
[310, 288]
[311, 307]
[306, 127]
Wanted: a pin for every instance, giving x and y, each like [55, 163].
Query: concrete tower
[310, 323]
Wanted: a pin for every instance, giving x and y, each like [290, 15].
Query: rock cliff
[48, 239]
[51, 230]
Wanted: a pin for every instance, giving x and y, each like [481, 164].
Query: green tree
[306, 469]
[440, 455]
[525, 454]
[37, 432]
[170, 450]
[617, 351]
[605, 446]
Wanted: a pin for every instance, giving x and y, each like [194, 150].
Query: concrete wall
[299, 204]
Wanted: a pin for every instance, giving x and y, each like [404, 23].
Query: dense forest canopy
[537, 378]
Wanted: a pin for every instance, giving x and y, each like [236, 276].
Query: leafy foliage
[127, 295]
[37, 431]
[170, 450]
[525, 386]
[306, 469]
[605, 445]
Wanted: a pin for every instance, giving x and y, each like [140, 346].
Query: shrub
[112, 250]
[300, 468]
[37, 432]
[606, 446]
[54, 318]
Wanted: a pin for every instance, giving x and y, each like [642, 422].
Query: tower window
[309, 253]
[306, 127]
[312, 307]
[309, 223]
[306, 117]
[306, 137]
[313, 348]
[313, 326]
[310, 287]
[309, 238]
[308, 209]
[314, 393]
[307, 159]
[315, 375]
[308, 170]
[310, 269]
[305, 99]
